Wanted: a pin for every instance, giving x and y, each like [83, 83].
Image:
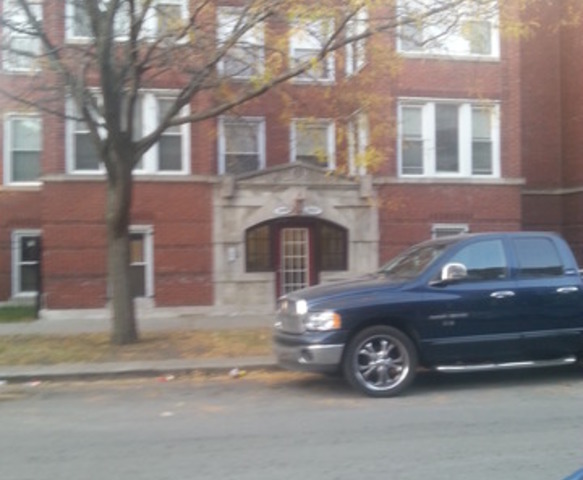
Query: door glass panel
[295, 271]
[484, 260]
[538, 257]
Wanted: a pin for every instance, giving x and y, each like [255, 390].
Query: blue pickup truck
[470, 302]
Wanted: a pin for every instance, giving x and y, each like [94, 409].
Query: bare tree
[113, 49]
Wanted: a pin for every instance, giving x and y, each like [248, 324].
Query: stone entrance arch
[294, 196]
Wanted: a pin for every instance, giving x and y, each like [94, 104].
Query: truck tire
[380, 361]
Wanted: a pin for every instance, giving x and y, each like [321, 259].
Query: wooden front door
[295, 259]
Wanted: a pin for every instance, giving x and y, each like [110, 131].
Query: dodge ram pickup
[469, 302]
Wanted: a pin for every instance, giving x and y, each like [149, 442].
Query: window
[440, 230]
[241, 145]
[21, 44]
[141, 262]
[332, 242]
[356, 51]
[83, 151]
[485, 260]
[313, 142]
[170, 155]
[537, 257]
[358, 135]
[327, 243]
[473, 32]
[306, 42]
[166, 18]
[26, 255]
[481, 141]
[258, 254]
[23, 147]
[449, 139]
[246, 57]
[78, 25]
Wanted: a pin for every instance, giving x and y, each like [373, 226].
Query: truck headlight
[323, 321]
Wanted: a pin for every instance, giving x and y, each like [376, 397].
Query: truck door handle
[502, 294]
[567, 289]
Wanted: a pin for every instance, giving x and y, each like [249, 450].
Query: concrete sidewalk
[170, 320]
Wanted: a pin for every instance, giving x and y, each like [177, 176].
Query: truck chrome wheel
[380, 361]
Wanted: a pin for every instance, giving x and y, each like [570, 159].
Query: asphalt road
[511, 425]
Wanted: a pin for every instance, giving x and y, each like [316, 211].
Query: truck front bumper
[296, 352]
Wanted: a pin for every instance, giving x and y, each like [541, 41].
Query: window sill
[22, 187]
[452, 57]
[309, 81]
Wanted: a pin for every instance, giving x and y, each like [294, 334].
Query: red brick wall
[407, 212]
[75, 241]
[540, 76]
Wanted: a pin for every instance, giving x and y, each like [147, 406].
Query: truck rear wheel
[380, 361]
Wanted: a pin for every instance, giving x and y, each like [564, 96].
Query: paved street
[494, 426]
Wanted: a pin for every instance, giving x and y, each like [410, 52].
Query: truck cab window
[537, 257]
[484, 260]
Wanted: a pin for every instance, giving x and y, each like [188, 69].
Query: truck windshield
[413, 262]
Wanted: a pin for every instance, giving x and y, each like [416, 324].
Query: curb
[102, 371]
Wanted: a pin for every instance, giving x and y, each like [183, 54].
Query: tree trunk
[119, 193]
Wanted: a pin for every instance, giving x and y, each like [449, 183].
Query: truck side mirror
[453, 271]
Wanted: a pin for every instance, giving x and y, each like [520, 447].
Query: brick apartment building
[480, 133]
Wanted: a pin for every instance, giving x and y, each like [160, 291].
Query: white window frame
[149, 164]
[8, 149]
[150, 114]
[70, 133]
[355, 52]
[253, 38]
[17, 263]
[459, 47]
[450, 228]
[259, 122]
[358, 140]
[71, 36]
[36, 45]
[150, 27]
[148, 232]
[465, 137]
[330, 140]
[301, 38]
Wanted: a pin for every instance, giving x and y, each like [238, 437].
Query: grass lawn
[95, 347]
[14, 314]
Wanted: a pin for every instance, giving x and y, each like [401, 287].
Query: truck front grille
[287, 319]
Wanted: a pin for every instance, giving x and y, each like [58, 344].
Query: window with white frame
[472, 31]
[313, 141]
[166, 19]
[21, 44]
[82, 153]
[245, 58]
[440, 230]
[141, 261]
[26, 256]
[22, 149]
[241, 145]
[77, 21]
[355, 54]
[358, 139]
[306, 42]
[170, 155]
[448, 138]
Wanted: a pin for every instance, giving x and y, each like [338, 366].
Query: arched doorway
[297, 250]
